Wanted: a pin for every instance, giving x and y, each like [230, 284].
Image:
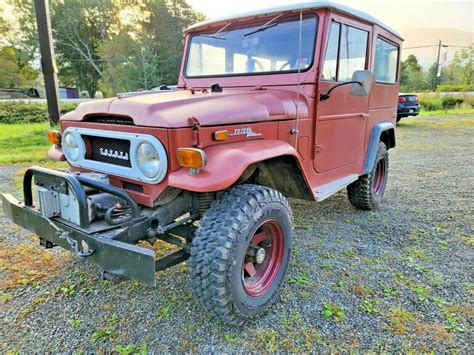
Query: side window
[353, 52]
[386, 59]
[332, 51]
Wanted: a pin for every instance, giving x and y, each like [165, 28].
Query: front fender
[226, 163]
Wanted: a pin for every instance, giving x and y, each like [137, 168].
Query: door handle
[365, 115]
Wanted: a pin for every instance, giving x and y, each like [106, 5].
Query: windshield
[254, 49]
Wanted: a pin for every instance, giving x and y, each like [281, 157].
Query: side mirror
[362, 83]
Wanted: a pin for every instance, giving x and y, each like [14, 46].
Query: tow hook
[86, 252]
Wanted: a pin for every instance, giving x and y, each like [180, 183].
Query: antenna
[295, 130]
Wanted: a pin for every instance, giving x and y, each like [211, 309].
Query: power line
[436, 45]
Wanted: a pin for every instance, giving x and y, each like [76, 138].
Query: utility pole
[435, 80]
[48, 62]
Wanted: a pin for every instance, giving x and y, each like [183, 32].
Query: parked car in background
[408, 105]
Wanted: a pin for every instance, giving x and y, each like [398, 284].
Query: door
[341, 119]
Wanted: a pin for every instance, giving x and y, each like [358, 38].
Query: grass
[452, 111]
[21, 143]
[459, 123]
[25, 265]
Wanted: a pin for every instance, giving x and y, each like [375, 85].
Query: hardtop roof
[309, 5]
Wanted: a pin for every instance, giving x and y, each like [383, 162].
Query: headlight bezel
[140, 145]
[136, 139]
[70, 156]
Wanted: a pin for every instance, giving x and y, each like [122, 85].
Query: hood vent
[117, 120]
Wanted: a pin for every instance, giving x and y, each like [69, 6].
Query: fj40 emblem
[247, 132]
[113, 154]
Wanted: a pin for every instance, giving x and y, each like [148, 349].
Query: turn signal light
[54, 137]
[220, 135]
[192, 158]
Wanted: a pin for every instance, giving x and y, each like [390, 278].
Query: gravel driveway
[397, 279]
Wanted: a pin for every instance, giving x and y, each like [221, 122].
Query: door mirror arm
[323, 97]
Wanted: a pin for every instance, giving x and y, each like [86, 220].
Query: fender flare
[373, 144]
[226, 163]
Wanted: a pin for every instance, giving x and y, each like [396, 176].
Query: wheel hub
[263, 258]
[260, 255]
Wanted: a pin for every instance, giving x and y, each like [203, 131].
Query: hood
[173, 109]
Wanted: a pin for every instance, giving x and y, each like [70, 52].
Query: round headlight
[70, 147]
[148, 160]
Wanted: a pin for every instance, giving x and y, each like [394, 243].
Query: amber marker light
[192, 158]
[220, 135]
[54, 137]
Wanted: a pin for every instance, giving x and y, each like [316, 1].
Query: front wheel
[240, 253]
[367, 192]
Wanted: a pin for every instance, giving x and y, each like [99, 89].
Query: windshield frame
[284, 18]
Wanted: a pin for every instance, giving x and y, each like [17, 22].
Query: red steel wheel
[263, 258]
[379, 177]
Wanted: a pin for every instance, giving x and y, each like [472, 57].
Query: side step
[324, 191]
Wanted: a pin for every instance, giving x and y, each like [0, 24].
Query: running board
[324, 191]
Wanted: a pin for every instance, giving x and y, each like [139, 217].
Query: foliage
[23, 112]
[15, 72]
[412, 78]
[454, 88]
[457, 76]
[120, 45]
[332, 311]
[438, 103]
[130, 63]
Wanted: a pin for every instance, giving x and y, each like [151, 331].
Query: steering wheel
[256, 64]
[288, 63]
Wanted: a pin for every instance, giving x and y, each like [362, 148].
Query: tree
[79, 30]
[168, 19]
[15, 72]
[461, 69]
[412, 77]
[130, 63]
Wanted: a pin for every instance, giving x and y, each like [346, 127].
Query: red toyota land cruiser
[288, 101]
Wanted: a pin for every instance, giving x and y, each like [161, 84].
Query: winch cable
[298, 87]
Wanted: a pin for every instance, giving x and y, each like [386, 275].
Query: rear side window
[386, 59]
[353, 52]
[346, 52]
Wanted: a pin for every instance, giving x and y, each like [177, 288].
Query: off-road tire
[220, 245]
[361, 193]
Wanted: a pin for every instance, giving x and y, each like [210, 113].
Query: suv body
[262, 112]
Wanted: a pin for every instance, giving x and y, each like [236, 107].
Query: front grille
[109, 150]
[133, 187]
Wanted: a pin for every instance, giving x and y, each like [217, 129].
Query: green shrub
[430, 103]
[454, 88]
[451, 102]
[438, 103]
[23, 112]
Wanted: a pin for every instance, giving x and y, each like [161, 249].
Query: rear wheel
[240, 253]
[367, 192]
[399, 118]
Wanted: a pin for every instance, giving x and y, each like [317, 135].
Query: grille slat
[109, 150]
[133, 187]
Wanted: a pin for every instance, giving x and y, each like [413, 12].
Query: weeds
[332, 311]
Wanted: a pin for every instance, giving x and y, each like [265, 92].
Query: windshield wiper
[265, 26]
[216, 35]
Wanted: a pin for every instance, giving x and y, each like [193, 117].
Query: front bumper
[100, 247]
